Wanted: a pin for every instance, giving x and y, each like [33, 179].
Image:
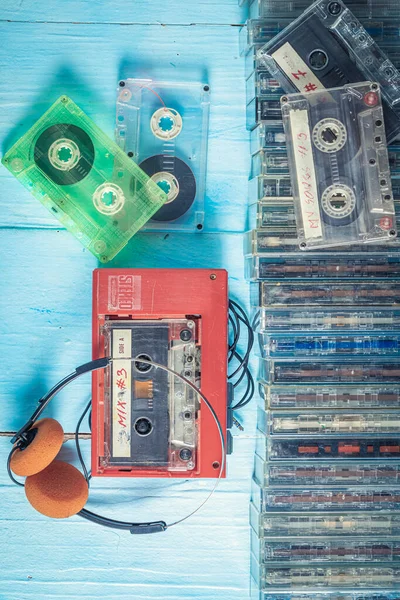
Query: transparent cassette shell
[312, 499]
[267, 135]
[363, 9]
[277, 213]
[300, 345]
[260, 84]
[328, 371]
[138, 102]
[319, 319]
[325, 293]
[363, 576]
[269, 188]
[151, 415]
[319, 266]
[339, 167]
[84, 179]
[331, 524]
[334, 423]
[340, 40]
[260, 109]
[317, 550]
[266, 162]
[333, 448]
[260, 31]
[257, 594]
[333, 396]
[319, 474]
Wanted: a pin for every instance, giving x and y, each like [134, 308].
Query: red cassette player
[146, 422]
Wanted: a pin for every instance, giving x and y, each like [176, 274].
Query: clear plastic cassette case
[269, 188]
[363, 9]
[151, 415]
[376, 396]
[329, 524]
[322, 551]
[326, 424]
[271, 214]
[257, 594]
[339, 166]
[164, 127]
[260, 109]
[268, 136]
[323, 499]
[325, 371]
[267, 162]
[323, 266]
[358, 319]
[270, 294]
[260, 84]
[301, 345]
[320, 474]
[327, 47]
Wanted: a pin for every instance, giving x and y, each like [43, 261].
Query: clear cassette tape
[323, 499]
[260, 84]
[326, 424]
[265, 108]
[252, 61]
[275, 228]
[300, 345]
[324, 319]
[285, 239]
[327, 47]
[329, 524]
[269, 135]
[151, 415]
[319, 266]
[257, 594]
[320, 474]
[164, 127]
[363, 9]
[269, 188]
[262, 30]
[333, 396]
[271, 214]
[270, 294]
[324, 371]
[334, 448]
[339, 166]
[322, 551]
[362, 576]
[270, 162]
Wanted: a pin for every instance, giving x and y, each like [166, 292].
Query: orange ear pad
[41, 451]
[59, 491]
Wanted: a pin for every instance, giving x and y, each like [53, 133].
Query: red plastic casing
[160, 294]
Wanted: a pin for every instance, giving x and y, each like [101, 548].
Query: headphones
[58, 489]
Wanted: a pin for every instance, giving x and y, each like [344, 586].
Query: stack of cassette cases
[325, 502]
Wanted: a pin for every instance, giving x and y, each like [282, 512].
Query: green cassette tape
[97, 192]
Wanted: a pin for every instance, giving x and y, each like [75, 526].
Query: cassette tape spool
[84, 179]
[164, 127]
[327, 47]
[339, 167]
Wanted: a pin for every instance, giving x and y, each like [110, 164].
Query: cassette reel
[339, 166]
[164, 127]
[84, 179]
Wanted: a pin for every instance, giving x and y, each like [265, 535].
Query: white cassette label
[296, 69]
[121, 392]
[305, 173]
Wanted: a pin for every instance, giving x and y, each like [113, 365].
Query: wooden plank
[122, 12]
[106, 55]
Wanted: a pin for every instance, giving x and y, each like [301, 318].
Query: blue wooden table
[82, 48]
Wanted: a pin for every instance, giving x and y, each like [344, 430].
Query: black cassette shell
[187, 186]
[76, 135]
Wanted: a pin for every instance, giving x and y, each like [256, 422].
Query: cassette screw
[185, 335]
[335, 8]
[213, 276]
[185, 454]
[122, 84]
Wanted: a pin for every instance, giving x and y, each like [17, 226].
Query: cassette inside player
[339, 166]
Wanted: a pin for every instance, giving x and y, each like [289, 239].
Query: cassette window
[164, 127]
[339, 167]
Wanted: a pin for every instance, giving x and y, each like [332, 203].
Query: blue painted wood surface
[83, 48]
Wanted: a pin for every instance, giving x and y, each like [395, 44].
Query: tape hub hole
[166, 123]
[108, 198]
[338, 201]
[329, 135]
[64, 154]
[318, 59]
[142, 367]
[168, 183]
[143, 426]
